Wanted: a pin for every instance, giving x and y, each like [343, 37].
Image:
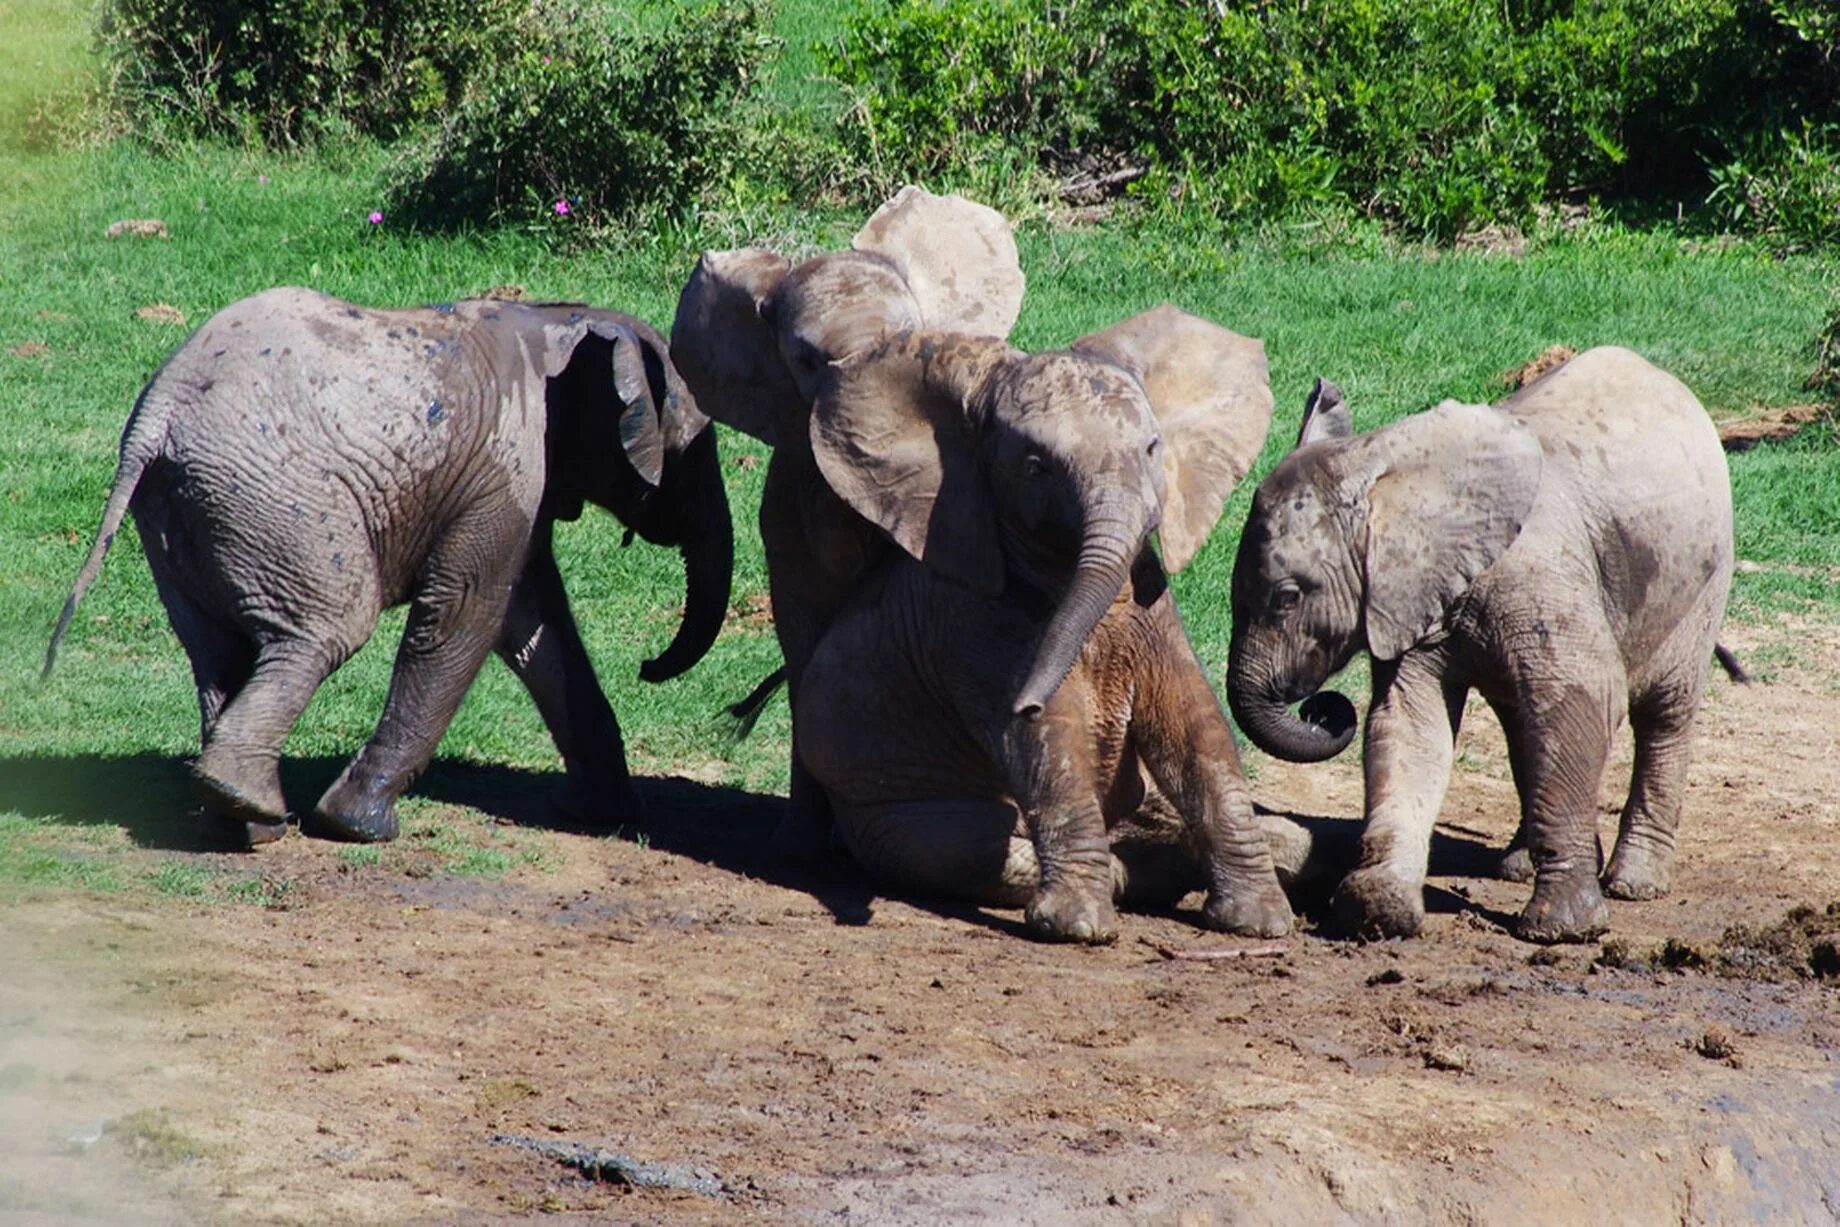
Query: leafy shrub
[284, 70]
[614, 120]
[1437, 115]
[1788, 191]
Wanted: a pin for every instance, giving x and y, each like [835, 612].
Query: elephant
[1012, 690]
[301, 463]
[753, 337]
[1567, 554]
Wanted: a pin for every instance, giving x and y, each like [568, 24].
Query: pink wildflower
[561, 207]
[376, 217]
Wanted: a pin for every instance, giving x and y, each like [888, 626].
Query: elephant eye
[1156, 445]
[1033, 465]
[1285, 597]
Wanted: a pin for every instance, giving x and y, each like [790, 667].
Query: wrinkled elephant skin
[1567, 554]
[1009, 709]
[300, 464]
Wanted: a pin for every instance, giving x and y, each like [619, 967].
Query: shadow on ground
[149, 796]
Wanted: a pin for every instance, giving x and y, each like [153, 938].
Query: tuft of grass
[150, 1136]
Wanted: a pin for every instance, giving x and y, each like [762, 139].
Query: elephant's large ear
[957, 256]
[1207, 386]
[596, 354]
[725, 347]
[895, 432]
[1458, 483]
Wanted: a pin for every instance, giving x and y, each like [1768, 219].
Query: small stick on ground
[1215, 956]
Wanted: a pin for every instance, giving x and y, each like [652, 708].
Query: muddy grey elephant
[1014, 687]
[299, 464]
[754, 335]
[1566, 554]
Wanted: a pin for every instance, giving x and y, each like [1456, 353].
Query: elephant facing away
[300, 463]
[1567, 554]
[1014, 686]
[754, 336]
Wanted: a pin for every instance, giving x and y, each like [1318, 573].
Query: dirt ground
[803, 1049]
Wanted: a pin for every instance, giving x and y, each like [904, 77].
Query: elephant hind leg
[967, 849]
[1558, 761]
[1641, 865]
[454, 621]
[237, 777]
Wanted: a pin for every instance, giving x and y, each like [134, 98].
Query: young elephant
[754, 335]
[1566, 553]
[299, 464]
[1021, 668]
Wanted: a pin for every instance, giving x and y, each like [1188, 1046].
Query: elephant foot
[1249, 911]
[352, 814]
[1065, 913]
[247, 818]
[1374, 903]
[592, 804]
[1565, 910]
[1638, 874]
[1515, 865]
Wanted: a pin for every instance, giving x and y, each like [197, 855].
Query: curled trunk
[709, 563]
[1322, 727]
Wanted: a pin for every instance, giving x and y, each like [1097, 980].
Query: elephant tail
[1728, 660]
[142, 441]
[746, 712]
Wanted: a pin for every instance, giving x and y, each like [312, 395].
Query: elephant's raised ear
[1208, 387]
[1325, 415]
[1458, 483]
[593, 355]
[725, 347]
[958, 257]
[895, 433]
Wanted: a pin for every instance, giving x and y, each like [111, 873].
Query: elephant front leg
[1408, 750]
[452, 624]
[1049, 759]
[1185, 742]
[541, 645]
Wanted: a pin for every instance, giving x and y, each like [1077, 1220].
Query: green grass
[1399, 329]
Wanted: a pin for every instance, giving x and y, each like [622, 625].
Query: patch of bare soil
[388, 1048]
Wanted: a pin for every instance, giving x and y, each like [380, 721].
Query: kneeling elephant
[1014, 687]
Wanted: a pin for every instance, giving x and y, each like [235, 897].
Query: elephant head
[626, 434]
[1045, 474]
[754, 333]
[1364, 541]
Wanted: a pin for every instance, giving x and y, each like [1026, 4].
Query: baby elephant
[300, 464]
[1566, 553]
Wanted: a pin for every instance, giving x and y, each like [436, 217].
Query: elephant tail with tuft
[1728, 660]
[142, 441]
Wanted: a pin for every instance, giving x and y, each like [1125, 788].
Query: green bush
[614, 121]
[1788, 190]
[281, 71]
[1436, 115]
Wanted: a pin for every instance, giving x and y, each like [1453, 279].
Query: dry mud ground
[830, 1055]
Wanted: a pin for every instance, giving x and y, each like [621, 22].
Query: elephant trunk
[1108, 546]
[709, 561]
[1322, 728]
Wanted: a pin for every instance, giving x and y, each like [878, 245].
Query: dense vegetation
[1435, 116]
